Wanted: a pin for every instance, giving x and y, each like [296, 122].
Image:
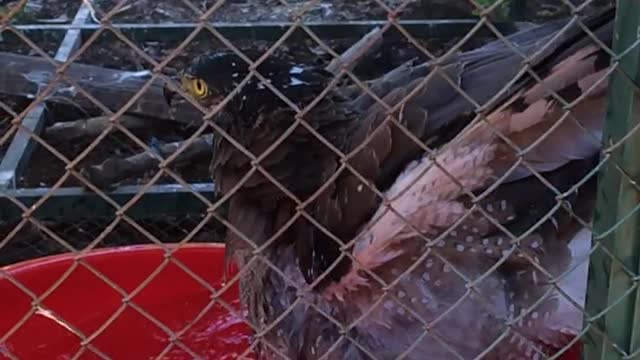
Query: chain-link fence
[391, 178]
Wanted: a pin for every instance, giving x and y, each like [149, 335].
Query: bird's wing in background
[427, 197]
[435, 114]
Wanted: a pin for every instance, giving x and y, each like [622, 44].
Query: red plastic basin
[89, 306]
[85, 307]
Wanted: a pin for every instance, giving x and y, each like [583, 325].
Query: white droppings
[133, 74]
[414, 300]
[296, 70]
[71, 90]
[38, 77]
[489, 251]
[438, 282]
[425, 300]
[359, 188]
[454, 233]
[234, 64]
[475, 230]
[401, 311]
[426, 276]
[485, 241]
[429, 263]
[469, 239]
[401, 294]
[235, 75]
[446, 269]
[503, 205]
[260, 86]
[460, 248]
[440, 243]
[535, 245]
[499, 241]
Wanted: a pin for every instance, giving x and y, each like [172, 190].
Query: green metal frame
[74, 203]
[613, 301]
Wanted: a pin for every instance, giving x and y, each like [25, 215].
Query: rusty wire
[393, 116]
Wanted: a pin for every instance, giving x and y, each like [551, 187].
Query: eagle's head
[212, 77]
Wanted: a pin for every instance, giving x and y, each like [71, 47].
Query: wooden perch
[114, 170]
[350, 58]
[24, 75]
[92, 127]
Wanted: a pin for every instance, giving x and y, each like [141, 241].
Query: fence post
[612, 297]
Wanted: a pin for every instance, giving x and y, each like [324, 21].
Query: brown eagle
[431, 233]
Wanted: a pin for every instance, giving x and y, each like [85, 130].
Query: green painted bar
[77, 203]
[22, 146]
[609, 285]
[273, 30]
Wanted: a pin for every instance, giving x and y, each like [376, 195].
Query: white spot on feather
[535, 315]
[296, 70]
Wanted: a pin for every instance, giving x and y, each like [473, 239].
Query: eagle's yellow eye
[199, 87]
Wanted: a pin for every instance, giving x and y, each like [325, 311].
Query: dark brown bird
[428, 264]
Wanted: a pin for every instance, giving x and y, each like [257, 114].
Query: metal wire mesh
[491, 296]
